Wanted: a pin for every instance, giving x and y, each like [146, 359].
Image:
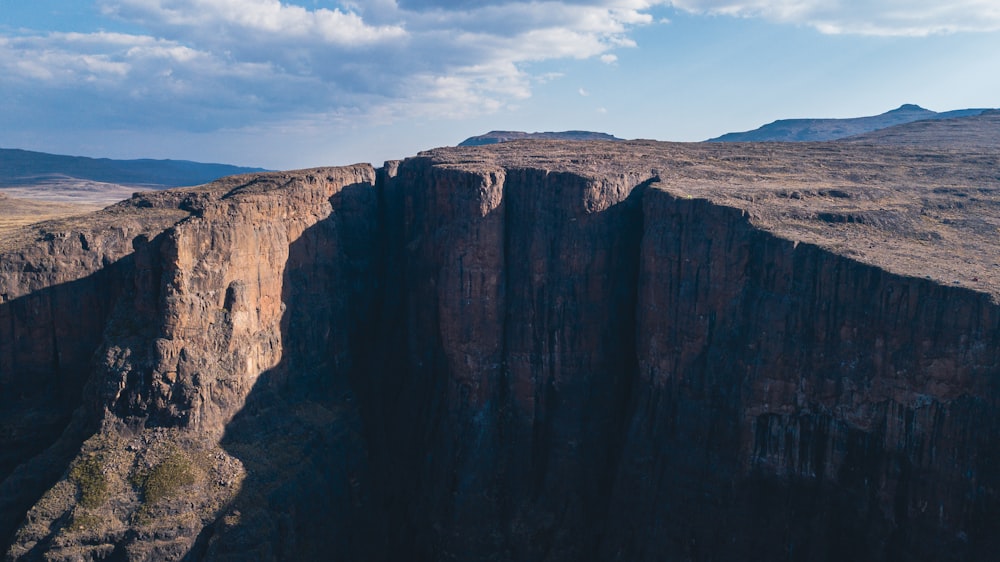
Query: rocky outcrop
[513, 387]
[646, 352]
[220, 298]
[799, 405]
[201, 314]
[59, 283]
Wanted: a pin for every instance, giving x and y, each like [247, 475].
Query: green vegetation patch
[166, 478]
[89, 477]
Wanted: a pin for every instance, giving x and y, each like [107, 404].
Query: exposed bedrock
[798, 405]
[517, 305]
[597, 371]
[222, 376]
[57, 292]
[484, 360]
[227, 276]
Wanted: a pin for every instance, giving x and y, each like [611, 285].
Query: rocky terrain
[800, 130]
[536, 350]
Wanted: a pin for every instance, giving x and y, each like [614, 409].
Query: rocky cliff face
[809, 397]
[527, 352]
[258, 287]
[58, 287]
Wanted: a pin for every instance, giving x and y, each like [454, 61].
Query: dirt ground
[55, 199]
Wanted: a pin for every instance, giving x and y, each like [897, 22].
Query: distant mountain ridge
[803, 130]
[967, 132]
[25, 167]
[494, 137]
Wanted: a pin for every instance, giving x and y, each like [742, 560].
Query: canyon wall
[244, 302]
[479, 356]
[798, 405]
[59, 284]
[515, 292]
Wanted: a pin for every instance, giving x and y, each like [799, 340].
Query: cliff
[529, 351]
[231, 295]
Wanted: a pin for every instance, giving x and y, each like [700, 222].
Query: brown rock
[533, 351]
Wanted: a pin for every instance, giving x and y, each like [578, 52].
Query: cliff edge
[536, 350]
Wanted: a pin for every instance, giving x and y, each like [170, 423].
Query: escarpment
[823, 394]
[240, 295]
[532, 351]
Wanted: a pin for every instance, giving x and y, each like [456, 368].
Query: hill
[25, 167]
[40, 186]
[969, 132]
[494, 137]
[800, 130]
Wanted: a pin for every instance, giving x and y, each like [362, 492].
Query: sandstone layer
[532, 351]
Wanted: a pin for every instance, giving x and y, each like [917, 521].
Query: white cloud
[220, 63]
[583, 92]
[863, 17]
[105, 80]
[263, 18]
[63, 57]
[223, 64]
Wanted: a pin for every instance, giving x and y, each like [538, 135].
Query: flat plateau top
[920, 211]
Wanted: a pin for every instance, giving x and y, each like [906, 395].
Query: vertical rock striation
[221, 316]
[493, 355]
[518, 306]
[710, 391]
[800, 405]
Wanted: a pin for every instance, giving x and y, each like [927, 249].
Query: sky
[295, 84]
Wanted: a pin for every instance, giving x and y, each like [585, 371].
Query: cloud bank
[226, 63]
[862, 17]
[199, 65]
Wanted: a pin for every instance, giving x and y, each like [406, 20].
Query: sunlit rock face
[531, 351]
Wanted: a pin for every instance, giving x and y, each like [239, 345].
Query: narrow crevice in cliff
[377, 377]
[624, 397]
[388, 398]
[504, 406]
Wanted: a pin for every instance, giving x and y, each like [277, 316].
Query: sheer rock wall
[500, 354]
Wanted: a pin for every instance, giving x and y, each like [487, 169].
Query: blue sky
[314, 82]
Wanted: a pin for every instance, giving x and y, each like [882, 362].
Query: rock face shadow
[508, 358]
[299, 435]
[48, 339]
